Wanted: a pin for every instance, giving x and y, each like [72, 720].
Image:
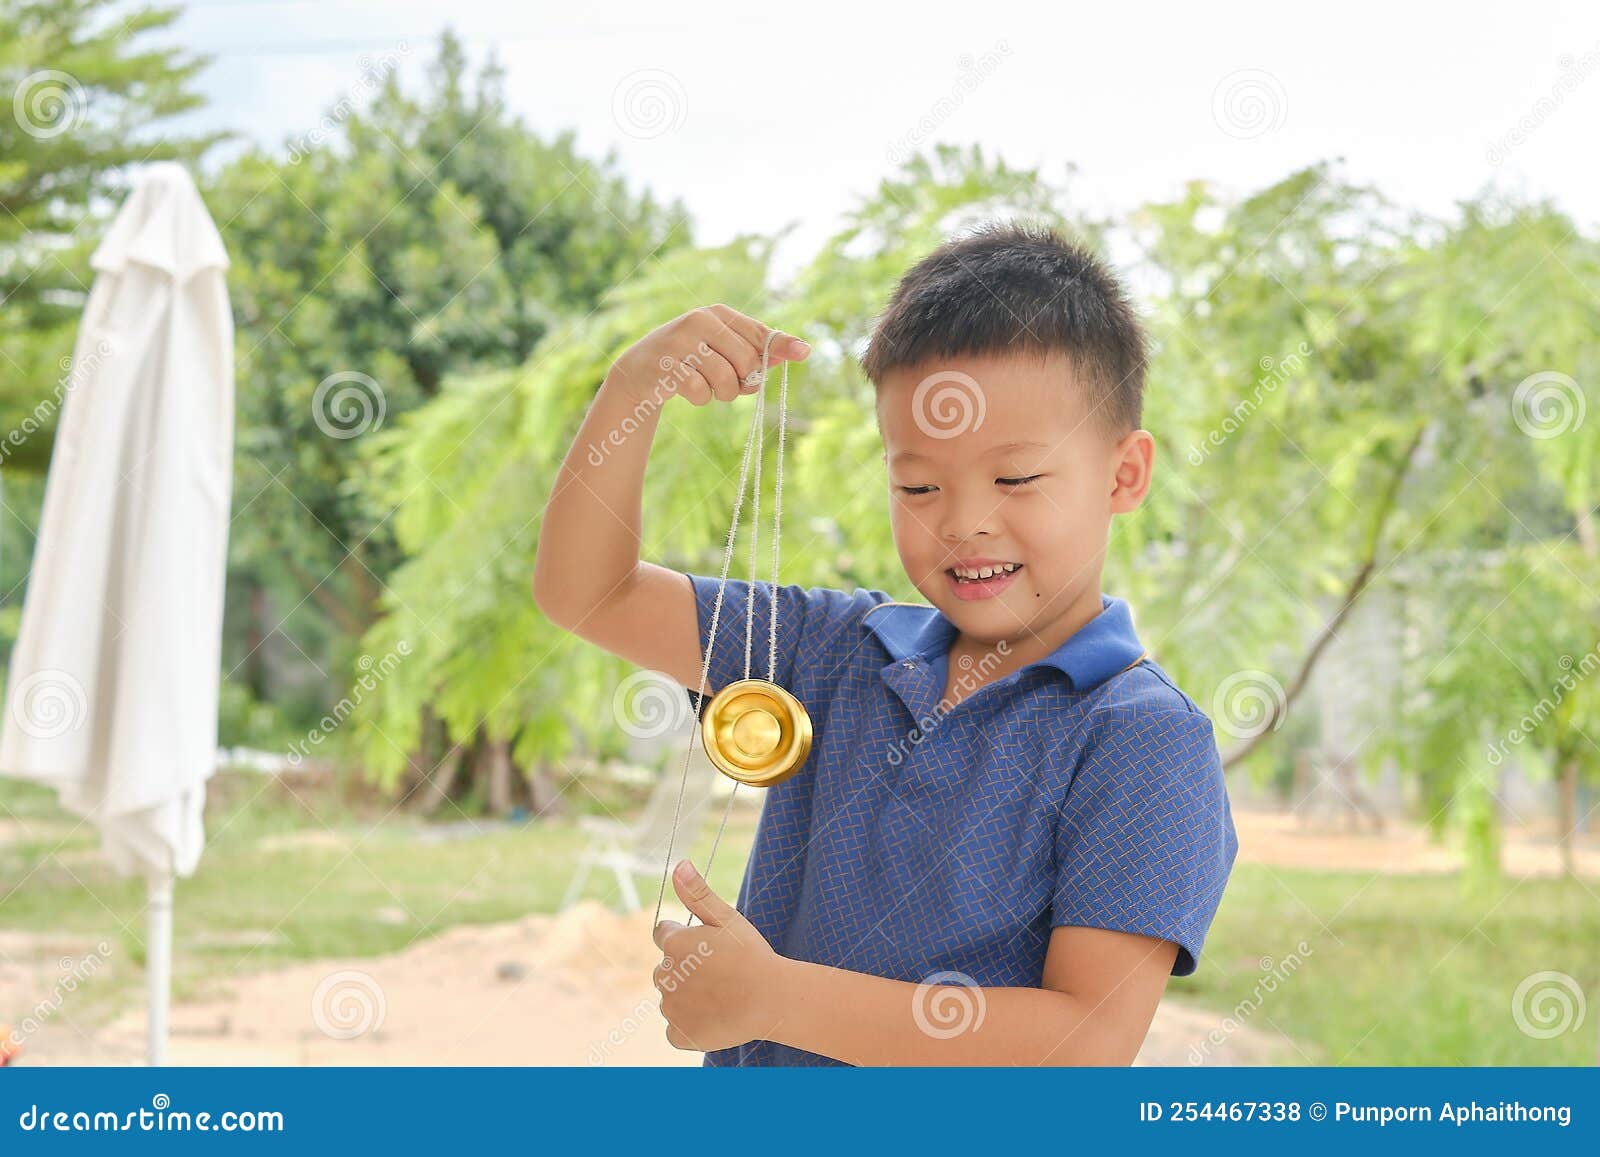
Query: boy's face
[960, 435]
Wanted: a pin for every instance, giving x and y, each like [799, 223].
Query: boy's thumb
[698, 897]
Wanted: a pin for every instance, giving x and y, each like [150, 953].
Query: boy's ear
[1133, 461]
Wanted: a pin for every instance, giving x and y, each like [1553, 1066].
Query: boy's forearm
[870, 1020]
[589, 541]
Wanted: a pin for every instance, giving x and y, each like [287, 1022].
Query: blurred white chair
[640, 848]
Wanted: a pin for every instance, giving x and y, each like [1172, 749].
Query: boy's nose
[965, 519]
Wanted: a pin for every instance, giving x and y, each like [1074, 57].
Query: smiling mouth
[978, 578]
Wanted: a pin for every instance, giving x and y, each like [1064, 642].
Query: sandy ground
[570, 989]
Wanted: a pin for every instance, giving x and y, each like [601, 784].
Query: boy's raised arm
[588, 577]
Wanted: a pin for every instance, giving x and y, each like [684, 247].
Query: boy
[1012, 826]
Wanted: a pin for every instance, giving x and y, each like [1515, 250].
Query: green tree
[413, 236]
[1386, 449]
[84, 99]
[1506, 629]
[1283, 401]
[490, 686]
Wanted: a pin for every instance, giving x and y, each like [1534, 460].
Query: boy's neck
[1028, 646]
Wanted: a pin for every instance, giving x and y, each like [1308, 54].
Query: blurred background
[1366, 244]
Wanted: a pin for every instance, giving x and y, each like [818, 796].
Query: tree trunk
[1278, 710]
[491, 774]
[325, 597]
[366, 589]
[543, 800]
[1589, 542]
[1305, 783]
[256, 660]
[1587, 538]
[497, 773]
[1567, 815]
[431, 775]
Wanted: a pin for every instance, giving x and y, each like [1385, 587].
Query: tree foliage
[420, 235]
[85, 99]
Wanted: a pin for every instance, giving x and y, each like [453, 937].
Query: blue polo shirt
[1084, 788]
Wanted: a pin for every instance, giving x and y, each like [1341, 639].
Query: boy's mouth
[981, 581]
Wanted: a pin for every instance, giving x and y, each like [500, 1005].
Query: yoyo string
[752, 446]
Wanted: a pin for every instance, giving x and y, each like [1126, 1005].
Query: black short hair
[1019, 288]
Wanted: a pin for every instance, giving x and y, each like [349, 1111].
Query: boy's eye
[1013, 482]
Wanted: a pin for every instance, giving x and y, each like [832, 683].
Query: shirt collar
[1101, 648]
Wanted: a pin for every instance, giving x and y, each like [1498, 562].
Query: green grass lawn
[1402, 969]
[1395, 969]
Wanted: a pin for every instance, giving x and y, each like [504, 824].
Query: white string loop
[752, 445]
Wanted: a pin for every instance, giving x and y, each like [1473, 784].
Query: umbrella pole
[158, 965]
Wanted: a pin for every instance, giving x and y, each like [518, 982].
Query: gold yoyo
[755, 732]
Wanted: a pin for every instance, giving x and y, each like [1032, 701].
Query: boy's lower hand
[718, 982]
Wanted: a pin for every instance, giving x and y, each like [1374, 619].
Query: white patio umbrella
[113, 685]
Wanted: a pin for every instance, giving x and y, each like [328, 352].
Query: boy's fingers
[664, 929]
[698, 897]
[785, 347]
[721, 372]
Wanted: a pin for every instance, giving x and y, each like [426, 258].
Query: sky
[760, 117]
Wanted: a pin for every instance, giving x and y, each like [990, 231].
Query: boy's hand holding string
[722, 985]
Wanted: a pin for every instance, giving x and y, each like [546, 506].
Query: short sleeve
[1145, 840]
[819, 632]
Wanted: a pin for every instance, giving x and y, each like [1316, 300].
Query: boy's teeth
[986, 571]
